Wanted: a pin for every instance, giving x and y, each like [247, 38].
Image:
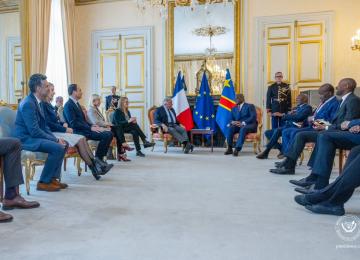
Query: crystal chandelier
[355, 41]
[164, 4]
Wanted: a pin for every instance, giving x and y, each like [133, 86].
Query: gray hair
[93, 97]
[167, 99]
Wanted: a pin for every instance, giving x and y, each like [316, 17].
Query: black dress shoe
[307, 190]
[326, 208]
[148, 144]
[139, 153]
[263, 155]
[302, 182]
[187, 148]
[228, 151]
[301, 199]
[283, 171]
[279, 164]
[236, 153]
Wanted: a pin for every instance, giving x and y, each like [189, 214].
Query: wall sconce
[355, 41]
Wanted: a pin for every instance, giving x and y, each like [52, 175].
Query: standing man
[35, 135]
[243, 121]
[10, 150]
[112, 100]
[278, 100]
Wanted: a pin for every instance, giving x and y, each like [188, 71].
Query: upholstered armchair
[255, 138]
[156, 131]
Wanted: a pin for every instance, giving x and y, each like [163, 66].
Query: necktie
[171, 116]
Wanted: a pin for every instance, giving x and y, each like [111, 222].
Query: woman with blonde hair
[122, 117]
[96, 117]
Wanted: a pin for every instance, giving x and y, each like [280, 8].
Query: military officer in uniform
[278, 100]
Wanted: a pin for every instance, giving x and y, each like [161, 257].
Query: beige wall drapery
[35, 25]
[68, 17]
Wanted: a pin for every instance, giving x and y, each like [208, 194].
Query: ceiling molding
[9, 6]
[88, 2]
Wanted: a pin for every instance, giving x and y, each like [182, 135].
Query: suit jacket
[161, 116]
[119, 118]
[328, 110]
[108, 100]
[301, 114]
[348, 111]
[95, 117]
[52, 119]
[76, 119]
[247, 114]
[31, 125]
[272, 102]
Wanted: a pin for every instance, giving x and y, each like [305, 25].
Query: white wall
[9, 27]
[123, 14]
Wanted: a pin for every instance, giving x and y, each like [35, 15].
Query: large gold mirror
[205, 39]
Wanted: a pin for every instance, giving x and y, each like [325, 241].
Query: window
[56, 65]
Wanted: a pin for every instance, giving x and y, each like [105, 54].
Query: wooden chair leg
[78, 161]
[301, 158]
[152, 140]
[259, 146]
[341, 160]
[255, 146]
[165, 146]
[27, 175]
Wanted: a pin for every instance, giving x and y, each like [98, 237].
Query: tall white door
[122, 59]
[300, 47]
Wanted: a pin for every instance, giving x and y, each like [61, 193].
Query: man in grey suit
[10, 150]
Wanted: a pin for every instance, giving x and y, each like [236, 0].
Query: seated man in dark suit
[346, 138]
[348, 110]
[243, 121]
[36, 136]
[331, 199]
[75, 118]
[165, 117]
[325, 113]
[112, 100]
[10, 150]
[299, 116]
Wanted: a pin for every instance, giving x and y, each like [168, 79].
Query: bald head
[302, 99]
[326, 91]
[345, 86]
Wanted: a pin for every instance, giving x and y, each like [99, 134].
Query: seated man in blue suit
[346, 138]
[75, 118]
[325, 112]
[243, 121]
[296, 118]
[331, 199]
[35, 136]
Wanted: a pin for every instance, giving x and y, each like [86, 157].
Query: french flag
[181, 105]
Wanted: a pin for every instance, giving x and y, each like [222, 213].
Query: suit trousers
[137, 133]
[105, 139]
[10, 150]
[341, 190]
[243, 131]
[276, 122]
[327, 144]
[52, 167]
[178, 133]
[299, 143]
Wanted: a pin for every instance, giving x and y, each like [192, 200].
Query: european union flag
[226, 103]
[204, 116]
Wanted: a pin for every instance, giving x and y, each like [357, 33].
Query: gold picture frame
[239, 59]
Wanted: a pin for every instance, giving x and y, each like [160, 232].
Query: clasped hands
[354, 129]
[236, 123]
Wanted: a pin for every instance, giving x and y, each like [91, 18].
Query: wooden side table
[203, 132]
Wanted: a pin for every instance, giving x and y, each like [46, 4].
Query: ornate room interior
[171, 205]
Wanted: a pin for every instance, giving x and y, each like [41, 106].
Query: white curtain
[56, 65]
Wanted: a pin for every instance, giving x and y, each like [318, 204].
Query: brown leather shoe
[20, 203]
[50, 187]
[5, 217]
[59, 184]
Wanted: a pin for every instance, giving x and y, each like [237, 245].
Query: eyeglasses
[278, 76]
